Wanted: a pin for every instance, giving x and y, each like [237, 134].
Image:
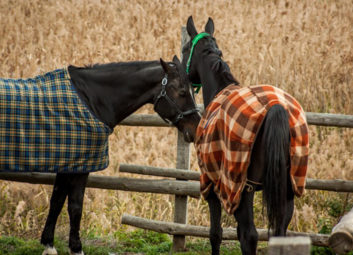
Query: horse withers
[249, 139]
[59, 122]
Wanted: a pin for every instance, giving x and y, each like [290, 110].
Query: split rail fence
[186, 183]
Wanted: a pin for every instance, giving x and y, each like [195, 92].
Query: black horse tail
[277, 144]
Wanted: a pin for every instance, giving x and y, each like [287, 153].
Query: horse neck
[114, 91]
[212, 82]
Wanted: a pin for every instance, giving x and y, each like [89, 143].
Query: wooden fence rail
[312, 184]
[161, 186]
[317, 119]
[328, 119]
[182, 174]
[115, 183]
[198, 231]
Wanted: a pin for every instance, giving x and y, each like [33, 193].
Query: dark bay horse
[227, 178]
[109, 93]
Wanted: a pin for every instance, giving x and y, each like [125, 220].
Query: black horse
[270, 160]
[112, 92]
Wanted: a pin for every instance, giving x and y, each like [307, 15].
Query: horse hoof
[49, 250]
[77, 253]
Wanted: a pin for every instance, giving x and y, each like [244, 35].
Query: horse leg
[215, 214]
[76, 193]
[57, 201]
[246, 230]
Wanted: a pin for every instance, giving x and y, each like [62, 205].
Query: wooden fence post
[341, 239]
[299, 245]
[183, 162]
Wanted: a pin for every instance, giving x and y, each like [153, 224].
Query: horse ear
[190, 27]
[164, 65]
[176, 60]
[209, 28]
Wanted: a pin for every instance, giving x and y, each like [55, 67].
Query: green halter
[194, 42]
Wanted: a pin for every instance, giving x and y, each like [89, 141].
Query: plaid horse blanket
[46, 127]
[226, 134]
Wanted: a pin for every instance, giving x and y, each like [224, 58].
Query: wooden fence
[185, 183]
[179, 229]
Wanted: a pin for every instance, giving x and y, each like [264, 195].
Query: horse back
[226, 137]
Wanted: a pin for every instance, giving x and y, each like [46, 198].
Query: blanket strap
[250, 185]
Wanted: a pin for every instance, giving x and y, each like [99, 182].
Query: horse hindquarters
[71, 186]
[57, 200]
[75, 203]
[277, 191]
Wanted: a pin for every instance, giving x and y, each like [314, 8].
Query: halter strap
[163, 94]
[197, 38]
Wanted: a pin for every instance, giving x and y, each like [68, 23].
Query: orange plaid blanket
[227, 131]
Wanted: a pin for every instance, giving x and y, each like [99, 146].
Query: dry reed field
[304, 47]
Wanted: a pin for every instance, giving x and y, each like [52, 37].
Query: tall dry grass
[304, 47]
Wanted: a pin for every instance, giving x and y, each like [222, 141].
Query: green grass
[136, 242]
[14, 246]
[139, 241]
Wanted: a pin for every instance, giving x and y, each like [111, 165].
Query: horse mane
[222, 69]
[131, 65]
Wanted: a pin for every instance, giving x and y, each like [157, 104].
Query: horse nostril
[189, 137]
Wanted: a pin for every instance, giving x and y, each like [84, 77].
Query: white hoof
[49, 251]
[77, 253]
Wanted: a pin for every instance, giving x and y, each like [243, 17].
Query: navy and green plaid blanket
[46, 127]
